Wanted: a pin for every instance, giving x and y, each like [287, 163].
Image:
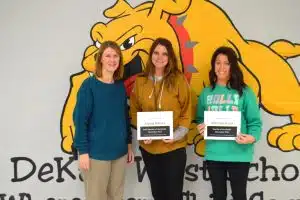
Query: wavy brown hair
[236, 79]
[171, 70]
[118, 74]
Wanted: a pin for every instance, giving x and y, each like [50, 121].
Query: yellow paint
[265, 68]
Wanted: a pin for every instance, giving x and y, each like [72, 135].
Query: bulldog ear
[97, 31]
[119, 9]
[169, 7]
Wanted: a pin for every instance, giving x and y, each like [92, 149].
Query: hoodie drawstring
[161, 92]
[150, 96]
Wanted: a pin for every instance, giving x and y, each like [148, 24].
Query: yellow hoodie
[176, 99]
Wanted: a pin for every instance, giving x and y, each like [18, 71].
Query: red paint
[186, 53]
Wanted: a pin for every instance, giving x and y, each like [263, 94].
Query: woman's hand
[84, 162]
[130, 155]
[200, 128]
[244, 139]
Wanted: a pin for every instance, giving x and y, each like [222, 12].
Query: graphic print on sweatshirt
[222, 102]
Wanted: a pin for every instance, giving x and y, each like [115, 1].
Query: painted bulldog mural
[196, 28]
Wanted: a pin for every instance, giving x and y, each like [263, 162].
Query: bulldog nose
[133, 67]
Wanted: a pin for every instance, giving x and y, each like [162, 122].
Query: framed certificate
[222, 125]
[155, 125]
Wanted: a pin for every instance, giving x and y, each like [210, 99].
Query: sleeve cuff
[180, 132]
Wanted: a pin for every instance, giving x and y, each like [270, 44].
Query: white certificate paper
[155, 125]
[222, 125]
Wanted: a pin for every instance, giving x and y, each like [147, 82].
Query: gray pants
[105, 179]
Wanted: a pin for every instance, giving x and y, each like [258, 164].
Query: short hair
[118, 74]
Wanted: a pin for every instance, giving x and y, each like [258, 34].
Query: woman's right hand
[200, 128]
[148, 141]
[84, 162]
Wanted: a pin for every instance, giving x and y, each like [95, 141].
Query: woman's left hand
[244, 139]
[130, 155]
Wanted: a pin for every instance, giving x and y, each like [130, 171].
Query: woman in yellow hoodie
[162, 87]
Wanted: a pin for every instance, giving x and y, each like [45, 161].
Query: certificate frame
[155, 125]
[222, 125]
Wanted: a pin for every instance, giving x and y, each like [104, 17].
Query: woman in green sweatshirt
[228, 92]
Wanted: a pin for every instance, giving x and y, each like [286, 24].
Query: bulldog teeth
[97, 44]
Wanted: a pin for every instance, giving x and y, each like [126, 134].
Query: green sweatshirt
[222, 98]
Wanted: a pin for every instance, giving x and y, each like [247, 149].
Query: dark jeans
[166, 173]
[238, 174]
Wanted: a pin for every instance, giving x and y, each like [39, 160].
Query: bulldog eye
[127, 43]
[97, 44]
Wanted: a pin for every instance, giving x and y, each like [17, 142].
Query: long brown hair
[236, 80]
[171, 70]
[118, 74]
